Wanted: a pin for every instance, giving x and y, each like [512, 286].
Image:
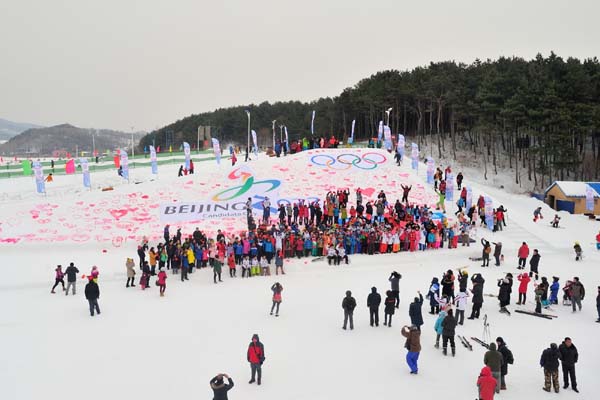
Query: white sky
[146, 63]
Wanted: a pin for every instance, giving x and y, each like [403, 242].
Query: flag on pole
[380, 131]
[287, 142]
[312, 123]
[186, 151]
[39, 177]
[26, 165]
[70, 167]
[153, 161]
[124, 165]
[469, 197]
[255, 146]
[274, 135]
[217, 150]
[85, 169]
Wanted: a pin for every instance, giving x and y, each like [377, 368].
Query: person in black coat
[220, 388]
[448, 284]
[550, 362]
[448, 331]
[463, 280]
[389, 308]
[504, 292]
[92, 294]
[534, 262]
[348, 304]
[373, 302]
[569, 357]
[507, 358]
[477, 292]
[414, 311]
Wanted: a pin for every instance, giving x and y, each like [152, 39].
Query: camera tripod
[487, 337]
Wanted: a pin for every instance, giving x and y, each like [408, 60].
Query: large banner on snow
[217, 150]
[124, 164]
[430, 169]
[450, 186]
[153, 160]
[489, 213]
[85, 169]
[186, 152]
[39, 177]
[254, 143]
[589, 198]
[415, 156]
[469, 197]
[400, 145]
[387, 137]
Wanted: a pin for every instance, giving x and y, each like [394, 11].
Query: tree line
[541, 117]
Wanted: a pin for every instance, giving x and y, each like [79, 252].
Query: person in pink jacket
[59, 278]
[162, 282]
[523, 254]
[524, 280]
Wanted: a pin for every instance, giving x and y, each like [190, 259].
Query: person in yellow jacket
[191, 258]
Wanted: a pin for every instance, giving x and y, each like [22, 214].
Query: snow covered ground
[158, 348]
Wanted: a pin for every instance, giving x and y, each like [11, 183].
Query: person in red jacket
[523, 254]
[162, 282]
[598, 241]
[486, 384]
[256, 357]
[524, 280]
[231, 264]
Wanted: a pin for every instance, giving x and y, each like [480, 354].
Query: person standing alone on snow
[71, 273]
[162, 282]
[373, 302]
[130, 265]
[413, 345]
[276, 289]
[92, 294]
[256, 357]
[348, 304]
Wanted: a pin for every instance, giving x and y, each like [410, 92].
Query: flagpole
[274, 134]
[248, 146]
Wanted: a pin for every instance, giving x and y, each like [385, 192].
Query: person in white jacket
[461, 304]
[341, 253]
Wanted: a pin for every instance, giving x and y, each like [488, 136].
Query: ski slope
[157, 348]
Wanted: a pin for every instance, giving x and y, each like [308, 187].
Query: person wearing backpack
[485, 253]
[256, 358]
[507, 358]
[348, 304]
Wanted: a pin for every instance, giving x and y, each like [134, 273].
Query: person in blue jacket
[434, 291]
[554, 288]
[238, 250]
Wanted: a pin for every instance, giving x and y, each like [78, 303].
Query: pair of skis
[481, 342]
[540, 315]
[465, 342]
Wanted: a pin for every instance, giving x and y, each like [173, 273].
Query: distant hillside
[9, 129]
[66, 138]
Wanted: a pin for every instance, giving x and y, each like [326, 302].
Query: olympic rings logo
[367, 161]
[248, 183]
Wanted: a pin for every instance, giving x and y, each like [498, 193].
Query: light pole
[387, 113]
[248, 144]
[198, 140]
